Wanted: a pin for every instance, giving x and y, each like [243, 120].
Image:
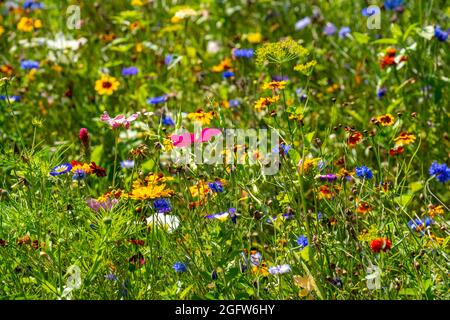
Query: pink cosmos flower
[186, 139]
[119, 120]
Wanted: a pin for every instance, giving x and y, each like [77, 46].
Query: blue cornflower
[364, 172]
[179, 267]
[284, 149]
[343, 32]
[319, 216]
[32, 5]
[329, 29]
[381, 92]
[419, 224]
[279, 78]
[10, 98]
[161, 205]
[243, 53]
[130, 71]
[61, 169]
[167, 120]
[302, 23]
[233, 103]
[79, 174]
[302, 241]
[232, 212]
[168, 59]
[214, 275]
[156, 100]
[228, 74]
[127, 164]
[441, 171]
[29, 64]
[367, 12]
[216, 186]
[440, 34]
[392, 4]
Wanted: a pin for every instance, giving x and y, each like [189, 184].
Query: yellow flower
[264, 102]
[254, 37]
[28, 24]
[305, 68]
[386, 120]
[138, 3]
[151, 188]
[139, 47]
[225, 64]
[106, 85]
[2, 30]
[25, 24]
[280, 52]
[404, 138]
[435, 210]
[31, 75]
[82, 166]
[305, 166]
[201, 117]
[274, 85]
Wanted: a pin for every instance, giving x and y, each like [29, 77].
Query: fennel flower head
[280, 52]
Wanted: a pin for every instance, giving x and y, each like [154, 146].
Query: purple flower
[233, 103]
[29, 64]
[243, 53]
[329, 29]
[127, 164]
[167, 120]
[440, 34]
[343, 32]
[106, 205]
[302, 23]
[161, 205]
[61, 169]
[330, 177]
[280, 269]
[156, 100]
[168, 59]
[130, 71]
[368, 12]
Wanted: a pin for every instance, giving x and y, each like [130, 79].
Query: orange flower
[225, 64]
[325, 192]
[266, 101]
[404, 138]
[364, 207]
[435, 210]
[274, 85]
[28, 24]
[396, 151]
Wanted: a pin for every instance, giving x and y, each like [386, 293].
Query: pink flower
[119, 120]
[105, 205]
[186, 139]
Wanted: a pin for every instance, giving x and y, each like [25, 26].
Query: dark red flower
[98, 171]
[84, 136]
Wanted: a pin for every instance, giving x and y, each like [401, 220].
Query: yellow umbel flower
[280, 52]
[305, 68]
[106, 85]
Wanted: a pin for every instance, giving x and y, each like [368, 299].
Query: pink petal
[183, 140]
[105, 117]
[208, 133]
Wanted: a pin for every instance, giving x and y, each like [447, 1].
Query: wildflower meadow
[224, 149]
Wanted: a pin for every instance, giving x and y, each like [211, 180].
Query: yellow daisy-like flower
[255, 37]
[152, 187]
[266, 101]
[106, 85]
[28, 24]
[386, 120]
[435, 210]
[404, 139]
[201, 117]
[274, 85]
[2, 30]
[307, 164]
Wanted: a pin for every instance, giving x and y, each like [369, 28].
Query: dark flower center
[107, 84]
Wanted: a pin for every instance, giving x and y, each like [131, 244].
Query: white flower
[164, 221]
[73, 281]
[213, 47]
[373, 278]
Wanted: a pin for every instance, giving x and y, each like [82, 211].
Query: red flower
[395, 151]
[354, 138]
[379, 244]
[84, 136]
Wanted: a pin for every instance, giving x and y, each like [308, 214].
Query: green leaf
[148, 165]
[355, 115]
[396, 31]
[416, 186]
[404, 199]
[186, 291]
[305, 254]
[361, 38]
[408, 292]
[385, 41]
[96, 154]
